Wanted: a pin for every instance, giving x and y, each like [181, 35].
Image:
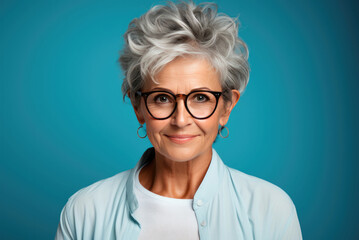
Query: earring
[220, 131]
[138, 129]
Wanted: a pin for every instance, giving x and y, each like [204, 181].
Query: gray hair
[169, 31]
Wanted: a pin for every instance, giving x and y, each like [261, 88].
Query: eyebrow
[168, 90]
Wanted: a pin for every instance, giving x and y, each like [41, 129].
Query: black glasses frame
[175, 96]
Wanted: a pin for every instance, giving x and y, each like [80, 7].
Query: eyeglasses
[162, 104]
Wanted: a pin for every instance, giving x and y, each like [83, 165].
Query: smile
[180, 139]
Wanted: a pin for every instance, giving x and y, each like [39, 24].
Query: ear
[229, 106]
[138, 111]
[139, 114]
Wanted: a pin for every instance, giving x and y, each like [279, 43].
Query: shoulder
[103, 190]
[92, 205]
[262, 194]
[270, 210]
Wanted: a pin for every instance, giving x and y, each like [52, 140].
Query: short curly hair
[180, 29]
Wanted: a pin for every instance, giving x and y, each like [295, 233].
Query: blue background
[64, 125]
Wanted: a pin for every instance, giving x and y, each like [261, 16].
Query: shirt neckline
[206, 191]
[153, 195]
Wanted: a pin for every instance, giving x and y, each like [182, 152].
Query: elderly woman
[185, 68]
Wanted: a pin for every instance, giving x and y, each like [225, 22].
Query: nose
[181, 116]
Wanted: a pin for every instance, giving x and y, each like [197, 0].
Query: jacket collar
[207, 189]
[132, 202]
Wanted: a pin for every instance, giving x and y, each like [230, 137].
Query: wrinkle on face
[179, 168]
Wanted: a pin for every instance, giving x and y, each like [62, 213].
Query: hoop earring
[220, 131]
[138, 129]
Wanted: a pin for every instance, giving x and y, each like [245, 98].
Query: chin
[181, 154]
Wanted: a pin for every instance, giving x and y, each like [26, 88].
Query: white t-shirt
[163, 218]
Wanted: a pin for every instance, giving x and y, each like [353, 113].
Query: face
[181, 137]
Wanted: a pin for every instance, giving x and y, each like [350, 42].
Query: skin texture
[183, 144]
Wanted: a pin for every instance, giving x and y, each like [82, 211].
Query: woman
[185, 68]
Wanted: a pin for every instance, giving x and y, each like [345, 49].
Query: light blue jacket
[228, 205]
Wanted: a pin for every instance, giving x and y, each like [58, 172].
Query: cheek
[154, 128]
[210, 127]
[215, 121]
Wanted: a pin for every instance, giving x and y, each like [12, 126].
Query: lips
[180, 139]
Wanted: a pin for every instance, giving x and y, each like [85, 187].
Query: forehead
[184, 74]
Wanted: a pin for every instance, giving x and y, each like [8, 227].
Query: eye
[162, 98]
[200, 98]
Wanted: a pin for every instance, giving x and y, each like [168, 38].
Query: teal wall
[64, 124]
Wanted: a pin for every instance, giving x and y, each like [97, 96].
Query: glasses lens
[201, 104]
[160, 104]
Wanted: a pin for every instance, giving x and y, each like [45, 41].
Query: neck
[168, 178]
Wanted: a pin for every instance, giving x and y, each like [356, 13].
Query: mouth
[180, 139]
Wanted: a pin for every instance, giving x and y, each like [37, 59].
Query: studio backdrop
[64, 124]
